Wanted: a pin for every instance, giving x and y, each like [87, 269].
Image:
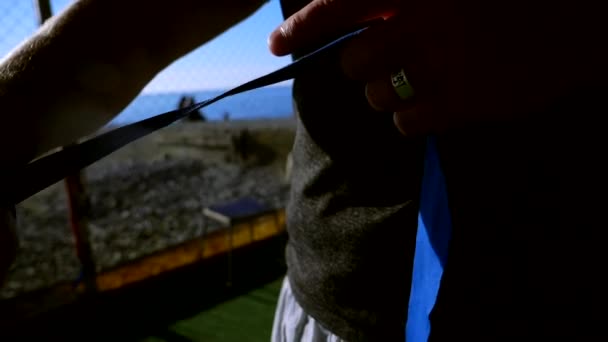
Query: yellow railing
[216, 243]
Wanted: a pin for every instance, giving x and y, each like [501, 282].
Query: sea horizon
[263, 103]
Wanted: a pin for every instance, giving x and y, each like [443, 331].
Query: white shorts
[292, 324]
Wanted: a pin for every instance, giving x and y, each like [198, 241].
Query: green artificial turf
[247, 318]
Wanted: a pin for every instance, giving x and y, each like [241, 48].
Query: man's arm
[86, 64]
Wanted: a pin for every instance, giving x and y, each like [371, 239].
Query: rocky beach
[150, 195]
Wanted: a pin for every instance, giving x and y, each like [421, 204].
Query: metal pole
[43, 10]
[78, 201]
[79, 205]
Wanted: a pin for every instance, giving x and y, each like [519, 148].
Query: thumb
[324, 19]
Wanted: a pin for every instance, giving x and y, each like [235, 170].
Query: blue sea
[269, 102]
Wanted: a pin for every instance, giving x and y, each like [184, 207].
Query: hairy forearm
[85, 65]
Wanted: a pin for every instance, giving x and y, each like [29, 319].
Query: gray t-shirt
[353, 210]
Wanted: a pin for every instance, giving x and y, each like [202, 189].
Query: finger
[382, 95]
[377, 51]
[413, 121]
[398, 43]
[414, 115]
[422, 118]
[384, 49]
[322, 19]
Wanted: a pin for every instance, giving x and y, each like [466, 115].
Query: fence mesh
[119, 218]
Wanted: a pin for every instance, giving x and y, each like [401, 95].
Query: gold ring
[402, 86]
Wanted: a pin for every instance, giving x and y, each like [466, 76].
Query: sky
[237, 56]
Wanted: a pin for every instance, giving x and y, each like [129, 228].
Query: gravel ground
[150, 196]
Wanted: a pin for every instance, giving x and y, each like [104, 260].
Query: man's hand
[468, 61]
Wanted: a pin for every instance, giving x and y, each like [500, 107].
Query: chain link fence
[47, 253]
[232, 58]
